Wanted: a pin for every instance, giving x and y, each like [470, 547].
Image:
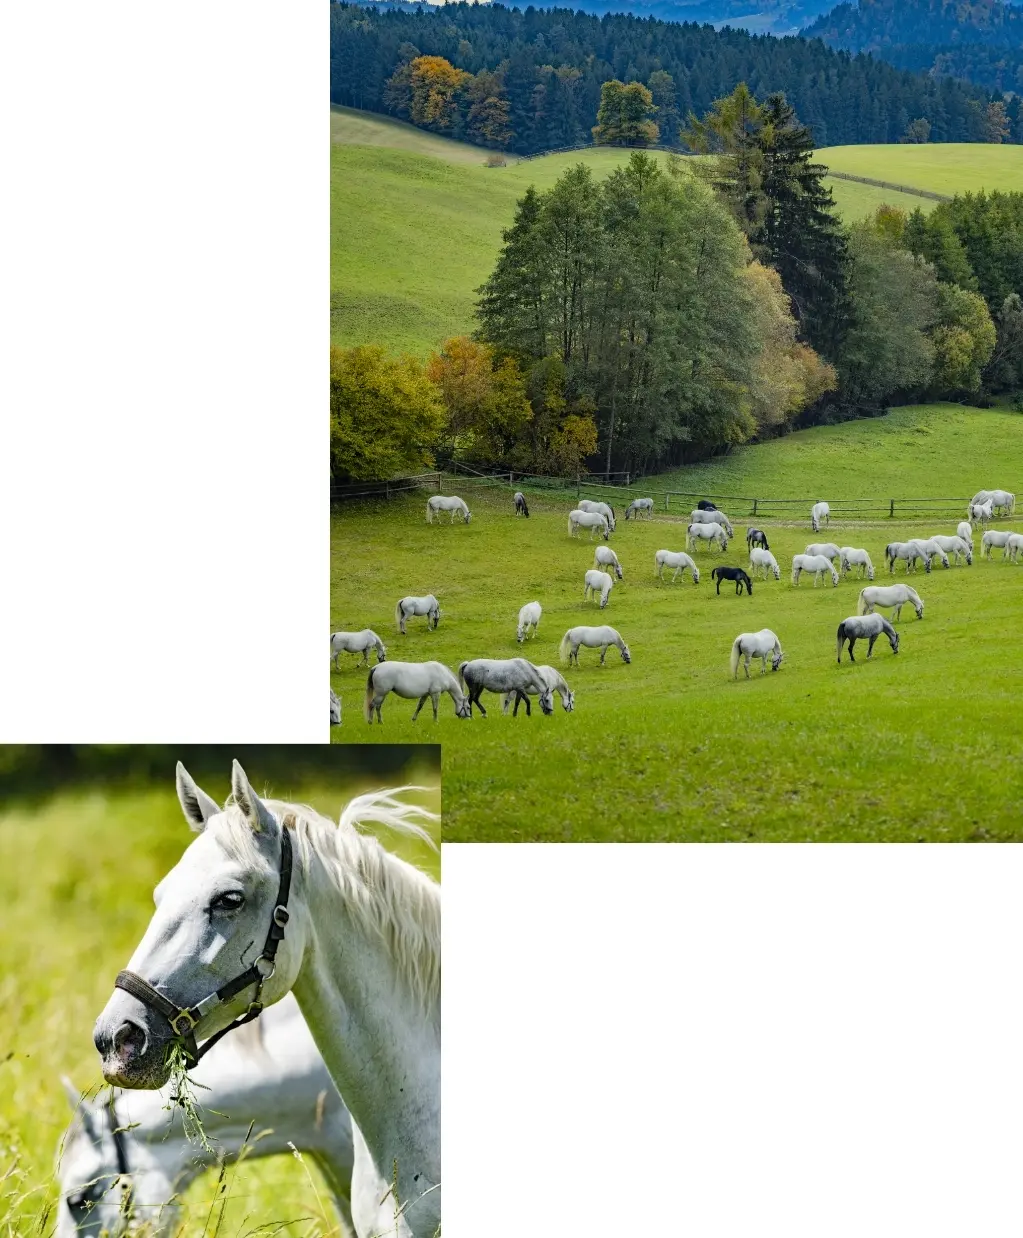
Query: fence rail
[866, 180]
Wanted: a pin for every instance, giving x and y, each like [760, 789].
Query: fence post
[578, 486]
[754, 507]
[667, 499]
[891, 509]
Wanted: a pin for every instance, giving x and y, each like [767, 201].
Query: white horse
[765, 560]
[604, 556]
[555, 681]
[335, 708]
[932, 549]
[868, 627]
[706, 533]
[965, 530]
[407, 607]
[954, 546]
[453, 504]
[819, 511]
[817, 564]
[127, 1159]
[413, 681]
[677, 559]
[604, 509]
[910, 552]
[597, 582]
[889, 595]
[992, 538]
[749, 645]
[529, 617]
[639, 505]
[592, 638]
[699, 516]
[828, 549]
[852, 556]
[1012, 547]
[520, 504]
[350, 928]
[357, 642]
[504, 675]
[981, 513]
[594, 521]
[1003, 500]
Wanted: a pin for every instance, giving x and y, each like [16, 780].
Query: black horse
[756, 537]
[705, 505]
[732, 573]
[520, 506]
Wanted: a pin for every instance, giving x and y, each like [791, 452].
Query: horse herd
[516, 680]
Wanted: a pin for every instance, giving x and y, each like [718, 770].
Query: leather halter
[183, 1019]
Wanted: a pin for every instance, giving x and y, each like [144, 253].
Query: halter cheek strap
[183, 1019]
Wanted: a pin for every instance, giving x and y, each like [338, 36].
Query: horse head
[464, 710]
[776, 660]
[626, 656]
[547, 701]
[568, 700]
[893, 637]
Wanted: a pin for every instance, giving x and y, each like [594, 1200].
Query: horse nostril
[129, 1036]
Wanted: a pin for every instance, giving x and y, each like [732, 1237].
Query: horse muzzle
[132, 1043]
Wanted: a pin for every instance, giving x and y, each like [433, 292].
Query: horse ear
[72, 1093]
[256, 812]
[197, 806]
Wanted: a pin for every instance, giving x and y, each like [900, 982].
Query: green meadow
[416, 224]
[77, 890]
[941, 167]
[925, 745]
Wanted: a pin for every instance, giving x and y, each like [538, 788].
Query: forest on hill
[531, 81]
[980, 41]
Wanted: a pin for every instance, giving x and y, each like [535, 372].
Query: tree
[386, 417]
[667, 115]
[623, 118]
[485, 398]
[964, 339]
[996, 123]
[733, 129]
[933, 237]
[487, 119]
[1005, 369]
[918, 130]
[436, 93]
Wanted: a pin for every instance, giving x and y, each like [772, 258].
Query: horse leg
[435, 698]
[852, 641]
[523, 697]
[746, 662]
[870, 648]
[603, 652]
[479, 693]
[422, 702]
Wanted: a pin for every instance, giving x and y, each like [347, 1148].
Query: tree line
[679, 307]
[531, 81]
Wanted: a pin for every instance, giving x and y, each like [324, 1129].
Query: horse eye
[230, 900]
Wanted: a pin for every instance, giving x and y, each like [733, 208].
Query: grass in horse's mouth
[183, 1096]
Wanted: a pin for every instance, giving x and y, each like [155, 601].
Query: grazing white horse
[594, 521]
[335, 708]
[910, 552]
[504, 675]
[765, 560]
[357, 642]
[868, 627]
[981, 513]
[817, 564]
[604, 556]
[706, 533]
[965, 530]
[555, 681]
[519, 500]
[593, 638]
[954, 546]
[932, 549]
[406, 608]
[605, 510]
[456, 506]
[1003, 500]
[749, 645]
[127, 1159]
[639, 505]
[597, 582]
[711, 517]
[529, 617]
[819, 511]
[992, 538]
[350, 928]
[828, 549]
[677, 559]
[1012, 547]
[852, 556]
[889, 595]
[413, 681]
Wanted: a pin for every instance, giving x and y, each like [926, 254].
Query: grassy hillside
[77, 891]
[953, 167]
[416, 224]
[670, 747]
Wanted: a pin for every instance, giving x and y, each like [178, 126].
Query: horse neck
[379, 1039]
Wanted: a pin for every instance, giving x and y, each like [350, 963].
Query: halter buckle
[281, 916]
[266, 967]
[185, 1017]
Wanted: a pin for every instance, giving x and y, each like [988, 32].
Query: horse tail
[861, 605]
[841, 639]
[461, 673]
[570, 525]
[564, 647]
[367, 708]
[525, 509]
[397, 614]
[736, 651]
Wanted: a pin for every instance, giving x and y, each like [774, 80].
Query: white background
[638, 1041]
[163, 371]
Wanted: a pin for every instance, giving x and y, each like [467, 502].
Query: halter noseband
[183, 1019]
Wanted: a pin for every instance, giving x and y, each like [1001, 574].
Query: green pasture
[416, 224]
[925, 745]
[76, 888]
[941, 167]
